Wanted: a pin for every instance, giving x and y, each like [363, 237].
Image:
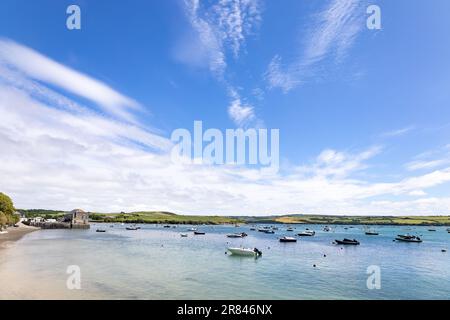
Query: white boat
[306, 233]
[247, 252]
[237, 235]
[288, 239]
[192, 229]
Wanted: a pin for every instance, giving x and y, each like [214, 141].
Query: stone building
[77, 219]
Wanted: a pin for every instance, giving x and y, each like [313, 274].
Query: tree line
[7, 216]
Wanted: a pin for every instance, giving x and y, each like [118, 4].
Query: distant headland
[160, 217]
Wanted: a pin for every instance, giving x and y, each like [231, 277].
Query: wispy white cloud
[219, 28]
[337, 164]
[332, 34]
[430, 160]
[239, 112]
[36, 66]
[397, 132]
[430, 164]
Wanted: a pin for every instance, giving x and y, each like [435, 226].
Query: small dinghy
[269, 231]
[167, 226]
[132, 228]
[245, 252]
[371, 233]
[348, 242]
[100, 230]
[326, 229]
[289, 229]
[432, 230]
[192, 229]
[199, 233]
[408, 238]
[288, 239]
[307, 233]
[184, 235]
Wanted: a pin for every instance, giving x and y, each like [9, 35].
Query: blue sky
[363, 114]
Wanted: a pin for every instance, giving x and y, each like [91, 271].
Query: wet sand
[15, 234]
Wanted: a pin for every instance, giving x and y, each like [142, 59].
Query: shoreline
[14, 234]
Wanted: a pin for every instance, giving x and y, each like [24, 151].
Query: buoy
[314, 265]
[324, 255]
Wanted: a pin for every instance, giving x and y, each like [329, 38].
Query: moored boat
[132, 228]
[199, 233]
[184, 235]
[288, 239]
[348, 242]
[372, 233]
[306, 233]
[237, 235]
[100, 230]
[408, 238]
[245, 252]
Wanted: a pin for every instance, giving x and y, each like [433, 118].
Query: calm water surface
[156, 263]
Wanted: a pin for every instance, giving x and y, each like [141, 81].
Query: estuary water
[157, 263]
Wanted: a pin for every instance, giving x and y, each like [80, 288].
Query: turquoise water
[156, 263]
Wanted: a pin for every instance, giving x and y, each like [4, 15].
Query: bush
[6, 205]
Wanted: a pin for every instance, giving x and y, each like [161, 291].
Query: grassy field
[365, 220]
[161, 217]
[171, 218]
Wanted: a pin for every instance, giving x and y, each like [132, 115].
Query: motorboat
[348, 242]
[306, 233]
[371, 233]
[100, 230]
[184, 235]
[167, 226]
[237, 235]
[326, 229]
[431, 230]
[288, 239]
[199, 233]
[132, 228]
[245, 252]
[408, 238]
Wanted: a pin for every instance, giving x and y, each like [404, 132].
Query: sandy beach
[15, 234]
